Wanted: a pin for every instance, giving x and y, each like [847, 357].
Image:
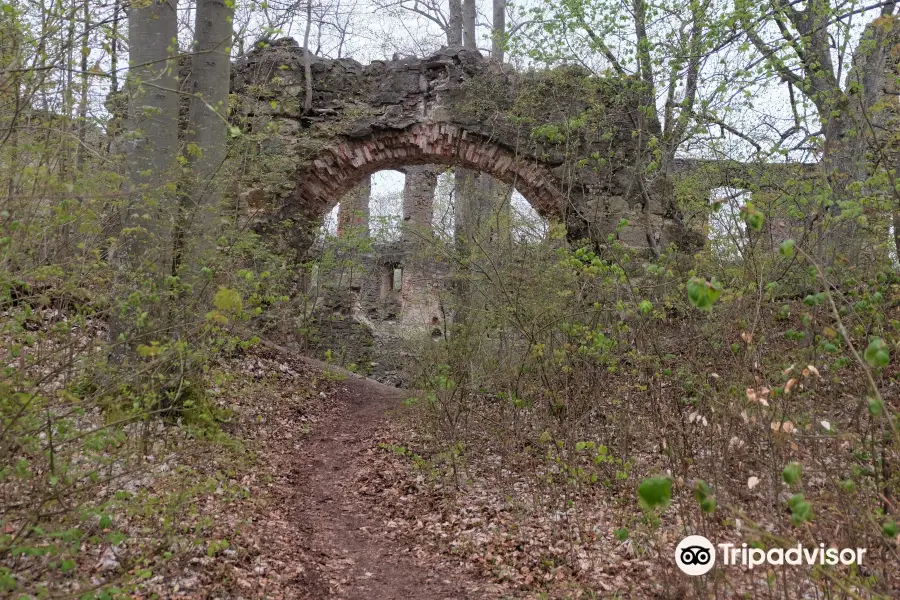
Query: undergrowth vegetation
[751, 399]
[103, 462]
[109, 370]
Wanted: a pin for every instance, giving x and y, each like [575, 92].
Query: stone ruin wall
[562, 138]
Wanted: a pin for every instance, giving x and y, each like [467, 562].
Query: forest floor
[342, 498]
[356, 552]
[319, 515]
[307, 481]
[313, 482]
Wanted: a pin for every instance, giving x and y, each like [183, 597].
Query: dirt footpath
[333, 507]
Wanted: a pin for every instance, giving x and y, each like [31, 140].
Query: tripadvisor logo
[696, 555]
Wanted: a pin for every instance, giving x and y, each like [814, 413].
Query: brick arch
[340, 166]
[563, 137]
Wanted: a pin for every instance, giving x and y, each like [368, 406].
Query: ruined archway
[563, 138]
[342, 165]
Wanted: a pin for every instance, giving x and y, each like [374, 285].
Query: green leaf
[115, 538]
[755, 221]
[890, 528]
[752, 217]
[702, 294]
[877, 354]
[621, 534]
[713, 290]
[696, 291]
[786, 248]
[702, 490]
[848, 485]
[704, 495]
[876, 407]
[228, 300]
[801, 510]
[655, 492]
[791, 473]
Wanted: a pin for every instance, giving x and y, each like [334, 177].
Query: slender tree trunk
[844, 113]
[307, 60]
[68, 101]
[144, 250]
[114, 124]
[83, 102]
[455, 24]
[848, 122]
[10, 96]
[207, 133]
[468, 24]
[153, 119]
[468, 200]
[498, 52]
[114, 48]
[498, 35]
[466, 189]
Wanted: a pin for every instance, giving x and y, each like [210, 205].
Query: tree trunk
[207, 133]
[468, 24]
[455, 24]
[113, 132]
[466, 187]
[114, 49]
[145, 240]
[851, 126]
[83, 102]
[307, 60]
[67, 155]
[469, 203]
[498, 35]
[153, 120]
[843, 113]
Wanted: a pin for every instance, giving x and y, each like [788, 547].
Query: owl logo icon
[695, 555]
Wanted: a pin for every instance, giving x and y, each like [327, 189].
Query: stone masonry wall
[563, 138]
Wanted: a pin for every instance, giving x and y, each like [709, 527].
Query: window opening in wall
[391, 279]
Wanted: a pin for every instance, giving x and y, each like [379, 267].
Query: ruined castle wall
[563, 137]
[353, 212]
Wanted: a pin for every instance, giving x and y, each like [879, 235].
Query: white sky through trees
[756, 105]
